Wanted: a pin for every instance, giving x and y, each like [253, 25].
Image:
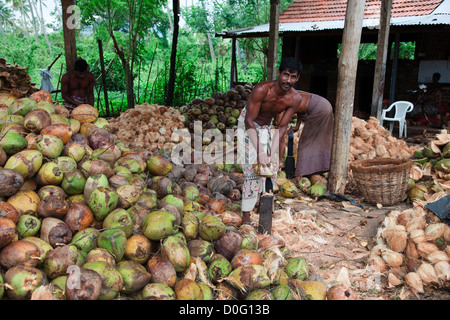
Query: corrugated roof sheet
[326, 10]
[326, 15]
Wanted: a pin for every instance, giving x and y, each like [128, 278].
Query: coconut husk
[148, 126]
[15, 80]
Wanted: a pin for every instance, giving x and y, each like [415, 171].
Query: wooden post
[102, 65]
[347, 67]
[70, 45]
[272, 55]
[380, 64]
[394, 68]
[233, 74]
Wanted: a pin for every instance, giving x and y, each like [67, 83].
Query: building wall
[320, 68]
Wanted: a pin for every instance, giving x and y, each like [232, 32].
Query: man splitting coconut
[255, 142]
[314, 145]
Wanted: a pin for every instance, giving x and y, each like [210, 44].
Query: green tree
[129, 24]
[6, 18]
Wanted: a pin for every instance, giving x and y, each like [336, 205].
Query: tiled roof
[332, 10]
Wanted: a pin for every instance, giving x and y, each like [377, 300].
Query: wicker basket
[382, 180]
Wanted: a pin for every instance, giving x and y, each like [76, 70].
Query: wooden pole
[173, 55]
[380, 64]
[70, 45]
[233, 73]
[347, 68]
[394, 68]
[102, 65]
[272, 55]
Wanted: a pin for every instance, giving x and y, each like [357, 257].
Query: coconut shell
[10, 182]
[53, 206]
[8, 231]
[83, 284]
[228, 244]
[19, 253]
[162, 270]
[7, 210]
[85, 113]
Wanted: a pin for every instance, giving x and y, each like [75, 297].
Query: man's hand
[263, 158]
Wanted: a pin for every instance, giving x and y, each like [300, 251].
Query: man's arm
[253, 107]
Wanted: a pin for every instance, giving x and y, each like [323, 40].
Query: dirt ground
[336, 239]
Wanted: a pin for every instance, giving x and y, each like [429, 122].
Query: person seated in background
[77, 86]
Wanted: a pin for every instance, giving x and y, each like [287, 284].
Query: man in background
[77, 86]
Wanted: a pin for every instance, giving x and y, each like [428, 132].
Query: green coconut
[443, 165]
[174, 200]
[66, 163]
[86, 239]
[28, 226]
[176, 251]
[211, 228]
[23, 281]
[45, 105]
[158, 165]
[283, 292]
[191, 193]
[43, 246]
[102, 201]
[132, 164]
[297, 268]
[73, 182]
[135, 276]
[49, 145]
[93, 182]
[201, 248]
[58, 260]
[318, 190]
[21, 106]
[158, 225]
[49, 174]
[74, 150]
[26, 162]
[112, 279]
[119, 218]
[249, 277]
[189, 224]
[7, 99]
[289, 190]
[113, 240]
[158, 291]
[12, 142]
[219, 268]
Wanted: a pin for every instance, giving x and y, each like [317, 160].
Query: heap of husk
[148, 126]
[369, 140]
[412, 249]
[15, 80]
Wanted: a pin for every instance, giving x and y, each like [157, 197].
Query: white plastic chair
[401, 108]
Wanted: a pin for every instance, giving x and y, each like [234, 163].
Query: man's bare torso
[274, 103]
[79, 83]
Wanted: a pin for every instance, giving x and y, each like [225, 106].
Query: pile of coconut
[412, 248]
[148, 126]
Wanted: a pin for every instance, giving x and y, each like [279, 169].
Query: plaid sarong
[247, 154]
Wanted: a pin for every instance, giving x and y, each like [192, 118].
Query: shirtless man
[77, 86]
[267, 100]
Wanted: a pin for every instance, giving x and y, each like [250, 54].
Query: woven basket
[382, 180]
